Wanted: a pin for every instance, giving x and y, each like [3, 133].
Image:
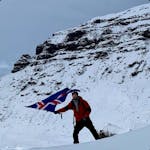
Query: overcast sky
[26, 23]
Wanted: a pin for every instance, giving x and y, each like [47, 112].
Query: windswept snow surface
[116, 87]
[134, 140]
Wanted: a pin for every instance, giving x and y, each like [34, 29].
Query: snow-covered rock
[22, 63]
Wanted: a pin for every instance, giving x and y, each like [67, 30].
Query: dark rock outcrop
[48, 50]
[97, 21]
[146, 33]
[71, 46]
[44, 56]
[107, 31]
[48, 47]
[24, 61]
[101, 55]
[39, 49]
[72, 36]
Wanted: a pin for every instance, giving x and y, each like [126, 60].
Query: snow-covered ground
[134, 140]
[116, 86]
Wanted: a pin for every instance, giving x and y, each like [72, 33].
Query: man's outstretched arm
[64, 109]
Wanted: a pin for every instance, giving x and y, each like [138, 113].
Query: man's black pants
[84, 123]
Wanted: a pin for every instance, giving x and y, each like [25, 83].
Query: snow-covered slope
[138, 140]
[106, 58]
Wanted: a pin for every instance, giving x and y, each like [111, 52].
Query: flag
[50, 103]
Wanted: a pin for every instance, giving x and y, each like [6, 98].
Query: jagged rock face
[108, 34]
[73, 36]
[39, 49]
[22, 63]
[146, 33]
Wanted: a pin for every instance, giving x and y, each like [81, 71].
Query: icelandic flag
[50, 103]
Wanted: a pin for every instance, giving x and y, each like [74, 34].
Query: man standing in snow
[81, 111]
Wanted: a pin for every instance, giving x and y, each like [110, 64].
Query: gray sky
[26, 23]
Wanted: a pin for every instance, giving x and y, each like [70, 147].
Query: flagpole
[61, 116]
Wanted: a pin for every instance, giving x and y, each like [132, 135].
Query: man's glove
[56, 112]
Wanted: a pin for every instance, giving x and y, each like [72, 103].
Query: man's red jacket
[83, 109]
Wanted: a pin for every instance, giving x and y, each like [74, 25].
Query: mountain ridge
[78, 38]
